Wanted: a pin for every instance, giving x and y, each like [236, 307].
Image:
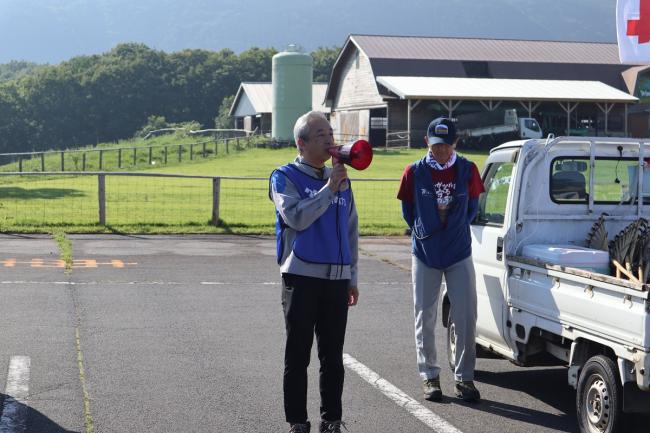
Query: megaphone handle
[336, 162]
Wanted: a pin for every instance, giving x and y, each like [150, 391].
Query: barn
[387, 88]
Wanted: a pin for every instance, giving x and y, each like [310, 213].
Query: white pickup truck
[545, 196]
[485, 130]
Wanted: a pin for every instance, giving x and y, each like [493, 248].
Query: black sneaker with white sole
[331, 426]
[466, 391]
[431, 389]
[300, 428]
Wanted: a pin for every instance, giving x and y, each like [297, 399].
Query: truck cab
[529, 128]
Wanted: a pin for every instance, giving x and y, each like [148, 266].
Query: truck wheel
[451, 343]
[599, 397]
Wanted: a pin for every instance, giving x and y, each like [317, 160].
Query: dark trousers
[321, 306]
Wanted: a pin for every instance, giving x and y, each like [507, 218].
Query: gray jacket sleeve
[300, 213]
[353, 237]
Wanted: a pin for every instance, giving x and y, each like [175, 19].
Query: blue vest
[325, 241]
[436, 244]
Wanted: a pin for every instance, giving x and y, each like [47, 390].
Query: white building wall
[358, 88]
[244, 108]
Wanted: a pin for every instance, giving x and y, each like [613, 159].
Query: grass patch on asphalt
[65, 248]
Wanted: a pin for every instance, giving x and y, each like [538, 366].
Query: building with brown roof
[387, 88]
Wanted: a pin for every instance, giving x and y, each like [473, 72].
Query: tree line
[107, 97]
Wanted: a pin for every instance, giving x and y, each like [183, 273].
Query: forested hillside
[16, 69]
[99, 98]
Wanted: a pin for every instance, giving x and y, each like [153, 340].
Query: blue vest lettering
[436, 244]
[325, 241]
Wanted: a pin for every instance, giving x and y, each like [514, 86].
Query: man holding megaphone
[317, 237]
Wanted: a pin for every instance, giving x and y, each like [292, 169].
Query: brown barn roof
[497, 50]
[419, 56]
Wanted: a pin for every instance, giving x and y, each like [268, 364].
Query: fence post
[216, 189]
[20, 163]
[203, 150]
[101, 188]
[62, 161]
[191, 152]
[134, 156]
[42, 161]
[227, 145]
[165, 155]
[101, 159]
[237, 147]
[150, 155]
[180, 151]
[119, 158]
[83, 161]
[216, 147]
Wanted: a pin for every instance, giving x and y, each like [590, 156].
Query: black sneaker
[300, 428]
[466, 391]
[431, 389]
[331, 426]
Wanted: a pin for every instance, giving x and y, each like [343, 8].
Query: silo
[292, 81]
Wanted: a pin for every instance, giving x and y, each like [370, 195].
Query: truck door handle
[500, 249]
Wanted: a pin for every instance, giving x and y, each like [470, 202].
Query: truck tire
[599, 397]
[451, 343]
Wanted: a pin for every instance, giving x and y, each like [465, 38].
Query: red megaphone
[357, 154]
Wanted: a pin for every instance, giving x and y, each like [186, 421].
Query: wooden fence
[79, 158]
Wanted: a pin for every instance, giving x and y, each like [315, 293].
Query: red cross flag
[633, 30]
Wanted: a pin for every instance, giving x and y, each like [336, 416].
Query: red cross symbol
[641, 27]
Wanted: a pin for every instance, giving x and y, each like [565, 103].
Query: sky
[51, 31]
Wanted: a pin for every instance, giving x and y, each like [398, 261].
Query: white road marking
[429, 418]
[14, 413]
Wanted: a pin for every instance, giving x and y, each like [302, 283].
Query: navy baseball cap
[441, 130]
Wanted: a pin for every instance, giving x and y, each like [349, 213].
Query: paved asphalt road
[185, 334]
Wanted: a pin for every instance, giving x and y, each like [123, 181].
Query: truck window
[492, 203]
[532, 125]
[569, 180]
[615, 180]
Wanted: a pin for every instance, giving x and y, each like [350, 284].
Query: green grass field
[172, 205]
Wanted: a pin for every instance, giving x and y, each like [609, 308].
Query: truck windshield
[532, 125]
[615, 180]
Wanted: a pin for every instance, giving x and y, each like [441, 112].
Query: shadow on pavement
[26, 419]
[548, 385]
[552, 422]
